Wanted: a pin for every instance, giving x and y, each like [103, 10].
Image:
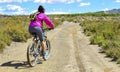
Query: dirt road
[71, 52]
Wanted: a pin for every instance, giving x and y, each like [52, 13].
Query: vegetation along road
[71, 52]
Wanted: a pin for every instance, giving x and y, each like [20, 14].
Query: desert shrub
[118, 60]
[104, 32]
[97, 39]
[13, 28]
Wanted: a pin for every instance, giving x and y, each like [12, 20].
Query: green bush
[109, 53]
[104, 32]
[13, 28]
[106, 44]
[118, 60]
[97, 39]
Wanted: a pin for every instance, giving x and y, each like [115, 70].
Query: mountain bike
[34, 49]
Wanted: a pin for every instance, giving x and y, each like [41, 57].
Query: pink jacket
[39, 21]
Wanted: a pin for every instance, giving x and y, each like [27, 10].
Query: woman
[36, 26]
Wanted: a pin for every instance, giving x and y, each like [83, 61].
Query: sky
[26, 7]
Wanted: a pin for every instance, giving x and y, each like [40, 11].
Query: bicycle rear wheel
[31, 55]
[48, 45]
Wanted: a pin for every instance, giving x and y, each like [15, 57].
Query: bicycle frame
[34, 50]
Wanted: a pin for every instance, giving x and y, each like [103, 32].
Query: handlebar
[46, 29]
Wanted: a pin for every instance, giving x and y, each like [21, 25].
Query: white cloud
[12, 10]
[85, 4]
[70, 1]
[14, 7]
[1, 10]
[42, 1]
[117, 0]
[78, 0]
[33, 11]
[57, 12]
[54, 11]
[8, 1]
[105, 9]
[54, 1]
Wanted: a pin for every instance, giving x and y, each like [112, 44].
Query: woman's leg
[43, 47]
[43, 50]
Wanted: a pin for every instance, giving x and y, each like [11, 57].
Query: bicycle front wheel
[31, 55]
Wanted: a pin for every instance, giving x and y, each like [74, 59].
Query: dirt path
[71, 52]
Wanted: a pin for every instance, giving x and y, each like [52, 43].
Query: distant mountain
[113, 11]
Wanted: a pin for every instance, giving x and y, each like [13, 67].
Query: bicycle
[34, 49]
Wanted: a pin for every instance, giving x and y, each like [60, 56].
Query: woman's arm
[48, 21]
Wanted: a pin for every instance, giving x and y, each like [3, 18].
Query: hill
[113, 11]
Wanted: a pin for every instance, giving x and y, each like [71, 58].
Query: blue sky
[16, 7]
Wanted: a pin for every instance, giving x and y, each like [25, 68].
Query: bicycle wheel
[31, 55]
[48, 45]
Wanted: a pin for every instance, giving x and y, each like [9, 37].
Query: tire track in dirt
[78, 58]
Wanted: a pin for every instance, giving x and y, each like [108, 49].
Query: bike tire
[48, 45]
[32, 61]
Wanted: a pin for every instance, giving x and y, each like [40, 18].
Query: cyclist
[36, 27]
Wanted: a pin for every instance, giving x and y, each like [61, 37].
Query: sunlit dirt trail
[71, 52]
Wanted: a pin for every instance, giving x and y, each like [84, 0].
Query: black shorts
[38, 30]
